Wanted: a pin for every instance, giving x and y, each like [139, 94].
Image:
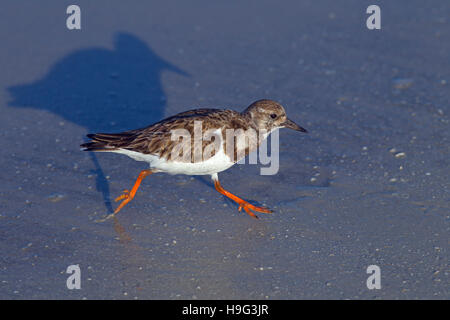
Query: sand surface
[368, 185]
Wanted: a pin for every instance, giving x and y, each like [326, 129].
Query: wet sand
[368, 185]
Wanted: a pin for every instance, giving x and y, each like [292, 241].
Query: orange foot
[242, 203]
[247, 206]
[127, 196]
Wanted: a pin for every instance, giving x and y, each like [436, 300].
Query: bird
[196, 142]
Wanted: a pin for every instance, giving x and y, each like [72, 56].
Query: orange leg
[242, 203]
[127, 196]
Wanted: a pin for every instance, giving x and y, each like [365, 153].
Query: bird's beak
[292, 125]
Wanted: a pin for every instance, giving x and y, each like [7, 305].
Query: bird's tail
[106, 141]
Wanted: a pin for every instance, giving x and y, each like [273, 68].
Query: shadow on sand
[102, 90]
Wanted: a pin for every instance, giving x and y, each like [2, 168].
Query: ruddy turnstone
[208, 152]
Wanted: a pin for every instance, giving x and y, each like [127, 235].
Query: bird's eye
[273, 115]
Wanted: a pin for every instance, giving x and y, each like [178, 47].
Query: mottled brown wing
[159, 138]
[156, 138]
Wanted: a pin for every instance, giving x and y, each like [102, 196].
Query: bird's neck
[246, 114]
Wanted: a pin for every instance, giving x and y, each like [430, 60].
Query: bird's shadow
[102, 90]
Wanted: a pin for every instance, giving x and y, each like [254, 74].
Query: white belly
[219, 162]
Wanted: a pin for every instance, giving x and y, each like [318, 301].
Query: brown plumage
[156, 138]
[156, 145]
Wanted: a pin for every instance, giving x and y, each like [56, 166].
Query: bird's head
[270, 115]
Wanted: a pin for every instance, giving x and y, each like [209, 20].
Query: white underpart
[219, 162]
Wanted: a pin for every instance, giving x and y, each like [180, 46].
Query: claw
[250, 213]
